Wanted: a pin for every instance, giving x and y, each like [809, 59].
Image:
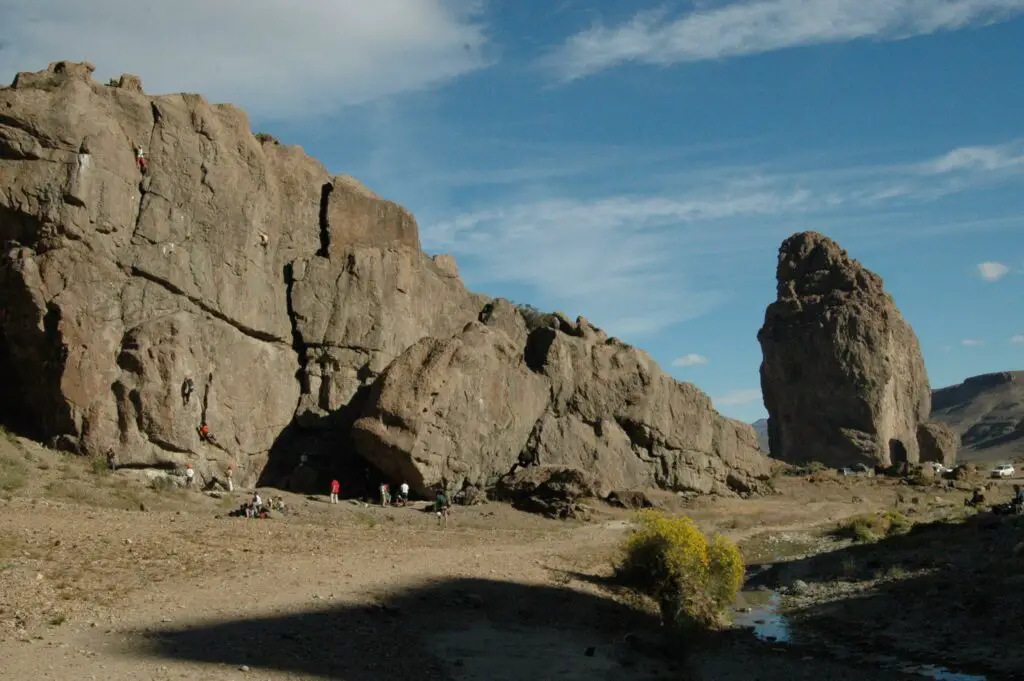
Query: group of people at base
[256, 508]
[1014, 507]
[442, 505]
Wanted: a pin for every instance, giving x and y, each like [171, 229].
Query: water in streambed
[759, 611]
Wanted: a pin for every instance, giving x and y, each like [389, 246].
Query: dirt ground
[104, 577]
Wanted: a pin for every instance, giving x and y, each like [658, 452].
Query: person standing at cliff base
[335, 490]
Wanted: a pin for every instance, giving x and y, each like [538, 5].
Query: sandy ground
[93, 587]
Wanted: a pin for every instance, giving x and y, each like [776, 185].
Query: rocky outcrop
[553, 491]
[467, 410]
[938, 442]
[290, 303]
[843, 377]
[233, 261]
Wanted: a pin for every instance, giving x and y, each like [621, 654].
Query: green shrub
[533, 317]
[802, 470]
[872, 527]
[13, 473]
[692, 577]
[265, 137]
[98, 465]
[163, 483]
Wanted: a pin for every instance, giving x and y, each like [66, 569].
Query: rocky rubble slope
[299, 304]
[843, 376]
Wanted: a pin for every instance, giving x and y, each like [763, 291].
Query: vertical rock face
[233, 261]
[843, 377]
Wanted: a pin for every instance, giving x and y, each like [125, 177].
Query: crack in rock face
[153, 241]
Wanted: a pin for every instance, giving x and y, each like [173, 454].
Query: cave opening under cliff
[897, 452]
[31, 364]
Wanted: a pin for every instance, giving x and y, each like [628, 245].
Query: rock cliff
[219, 277]
[843, 377]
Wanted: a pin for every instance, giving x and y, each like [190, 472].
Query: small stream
[759, 612]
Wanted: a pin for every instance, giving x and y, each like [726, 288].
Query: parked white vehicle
[940, 469]
[1003, 470]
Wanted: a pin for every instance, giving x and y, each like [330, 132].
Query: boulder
[843, 377]
[553, 491]
[938, 443]
[451, 412]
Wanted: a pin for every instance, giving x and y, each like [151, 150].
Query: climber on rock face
[140, 159]
[187, 388]
[205, 435]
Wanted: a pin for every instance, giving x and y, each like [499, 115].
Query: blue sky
[636, 162]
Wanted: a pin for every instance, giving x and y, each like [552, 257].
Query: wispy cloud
[638, 264]
[755, 26]
[737, 397]
[979, 158]
[689, 360]
[277, 59]
[1018, 339]
[970, 342]
[992, 271]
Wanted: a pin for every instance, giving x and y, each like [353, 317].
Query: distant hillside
[987, 412]
[761, 426]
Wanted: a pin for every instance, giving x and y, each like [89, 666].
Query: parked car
[858, 469]
[1003, 470]
[940, 469]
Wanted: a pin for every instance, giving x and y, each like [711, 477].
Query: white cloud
[638, 264]
[737, 397]
[1018, 339]
[992, 271]
[970, 342]
[689, 360]
[277, 59]
[620, 260]
[1006, 156]
[755, 26]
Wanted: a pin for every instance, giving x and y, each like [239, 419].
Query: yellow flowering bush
[692, 577]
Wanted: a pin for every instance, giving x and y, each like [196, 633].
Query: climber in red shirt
[205, 435]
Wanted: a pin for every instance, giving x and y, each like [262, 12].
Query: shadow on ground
[462, 628]
[945, 593]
